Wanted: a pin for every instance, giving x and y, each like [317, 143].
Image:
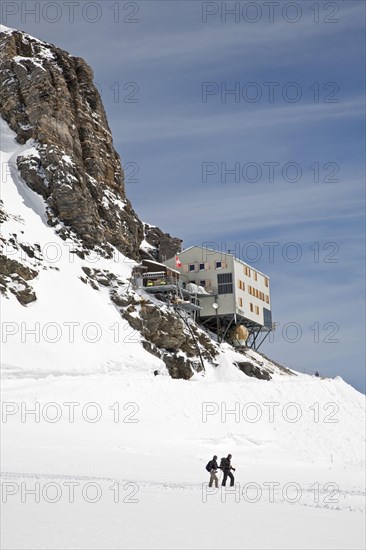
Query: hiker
[212, 467]
[226, 467]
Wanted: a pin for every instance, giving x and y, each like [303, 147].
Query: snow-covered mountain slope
[82, 408]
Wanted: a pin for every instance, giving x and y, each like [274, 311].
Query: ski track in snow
[342, 496]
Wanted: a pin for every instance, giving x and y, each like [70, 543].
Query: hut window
[225, 283]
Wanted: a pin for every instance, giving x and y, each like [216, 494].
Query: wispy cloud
[174, 126]
[260, 208]
[166, 40]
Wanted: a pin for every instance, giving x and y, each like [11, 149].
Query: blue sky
[170, 134]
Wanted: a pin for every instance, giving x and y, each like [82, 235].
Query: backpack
[222, 463]
[209, 466]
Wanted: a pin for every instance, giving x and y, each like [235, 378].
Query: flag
[178, 263]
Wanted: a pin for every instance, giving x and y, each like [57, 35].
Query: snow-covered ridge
[8, 30]
[43, 48]
[3, 28]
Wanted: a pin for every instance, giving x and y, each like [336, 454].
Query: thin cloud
[173, 126]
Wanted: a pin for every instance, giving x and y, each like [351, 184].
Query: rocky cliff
[48, 95]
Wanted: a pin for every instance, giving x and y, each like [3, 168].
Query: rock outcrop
[48, 95]
[178, 342]
[253, 370]
[164, 246]
[182, 346]
[14, 278]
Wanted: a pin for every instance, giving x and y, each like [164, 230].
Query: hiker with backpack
[212, 468]
[226, 467]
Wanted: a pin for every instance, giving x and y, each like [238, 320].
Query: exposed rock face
[163, 329]
[179, 367]
[166, 336]
[166, 330]
[49, 96]
[259, 366]
[253, 370]
[165, 246]
[14, 277]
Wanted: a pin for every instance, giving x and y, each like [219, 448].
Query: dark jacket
[227, 464]
[213, 465]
